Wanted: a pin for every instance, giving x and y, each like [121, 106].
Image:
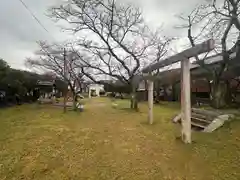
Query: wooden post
[150, 101]
[89, 92]
[186, 101]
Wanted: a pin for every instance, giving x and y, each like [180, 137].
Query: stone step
[198, 115]
[198, 125]
[201, 120]
[205, 120]
[207, 113]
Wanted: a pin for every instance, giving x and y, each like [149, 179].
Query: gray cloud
[19, 31]
[163, 12]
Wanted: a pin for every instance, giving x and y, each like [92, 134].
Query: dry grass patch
[40, 142]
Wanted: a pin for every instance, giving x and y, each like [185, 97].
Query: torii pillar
[186, 101]
[150, 101]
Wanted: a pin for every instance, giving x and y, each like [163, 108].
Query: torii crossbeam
[184, 57]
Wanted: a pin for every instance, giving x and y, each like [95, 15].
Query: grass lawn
[40, 142]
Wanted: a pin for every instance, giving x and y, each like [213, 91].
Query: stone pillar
[186, 101]
[150, 101]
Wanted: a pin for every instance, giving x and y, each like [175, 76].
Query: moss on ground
[40, 142]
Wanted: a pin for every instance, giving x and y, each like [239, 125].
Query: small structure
[47, 90]
[95, 89]
[183, 57]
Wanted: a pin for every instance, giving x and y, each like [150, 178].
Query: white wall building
[95, 88]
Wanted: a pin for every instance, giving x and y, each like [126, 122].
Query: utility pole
[65, 76]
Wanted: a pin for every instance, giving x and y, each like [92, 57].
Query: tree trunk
[146, 91]
[165, 94]
[134, 101]
[74, 96]
[229, 97]
[157, 94]
[65, 101]
[219, 94]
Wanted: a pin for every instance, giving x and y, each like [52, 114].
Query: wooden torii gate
[184, 57]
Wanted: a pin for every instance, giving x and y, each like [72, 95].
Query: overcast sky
[19, 31]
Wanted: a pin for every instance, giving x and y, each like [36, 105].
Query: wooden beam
[186, 101]
[191, 52]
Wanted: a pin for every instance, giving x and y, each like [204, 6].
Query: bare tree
[113, 39]
[218, 20]
[56, 59]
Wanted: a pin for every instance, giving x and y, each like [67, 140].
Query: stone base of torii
[185, 83]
